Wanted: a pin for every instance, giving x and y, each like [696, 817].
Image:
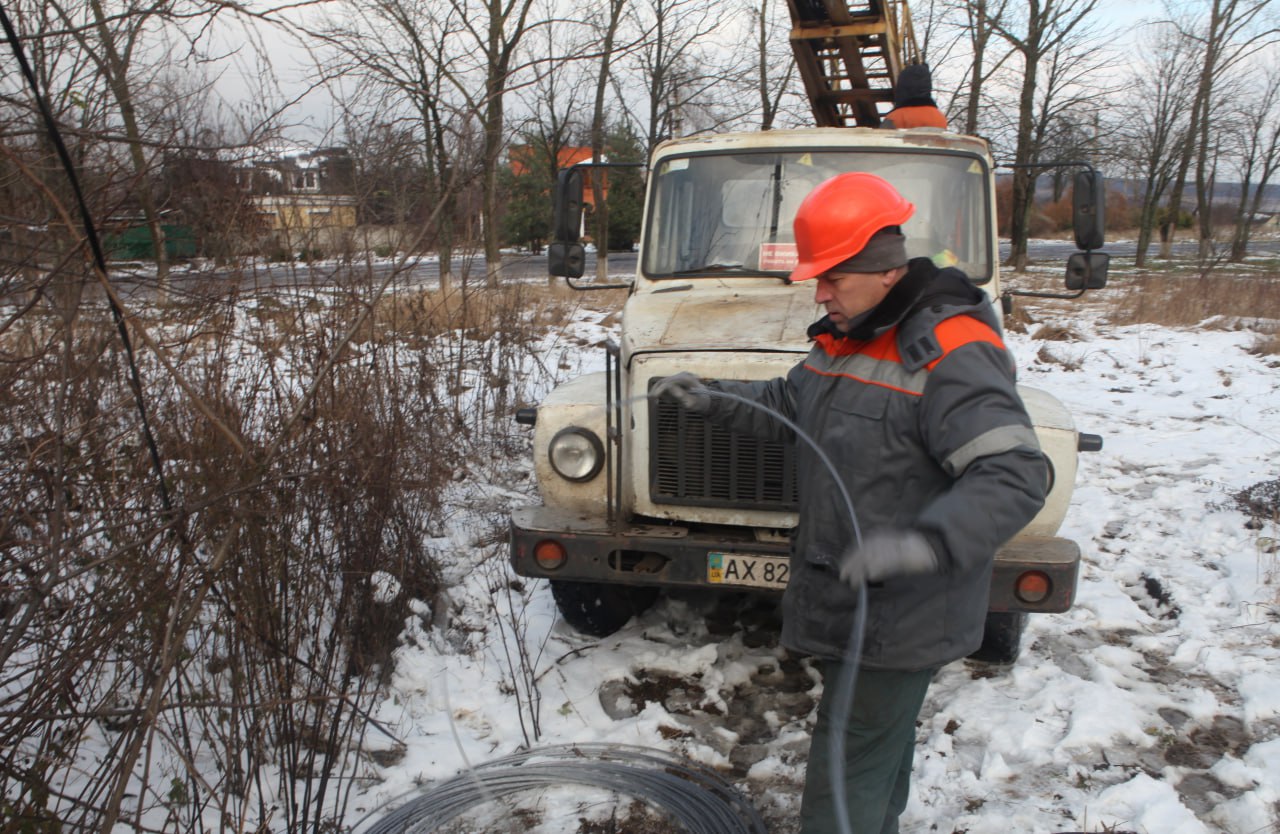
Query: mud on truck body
[637, 494]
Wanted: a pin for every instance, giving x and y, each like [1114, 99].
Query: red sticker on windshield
[778, 257]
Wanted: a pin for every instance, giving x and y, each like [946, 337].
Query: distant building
[303, 197]
[306, 212]
[279, 169]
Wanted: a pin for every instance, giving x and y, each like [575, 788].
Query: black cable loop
[622, 768]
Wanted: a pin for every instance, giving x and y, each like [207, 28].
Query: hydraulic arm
[849, 53]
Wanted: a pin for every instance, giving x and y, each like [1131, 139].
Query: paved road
[136, 282]
[1058, 250]
[139, 284]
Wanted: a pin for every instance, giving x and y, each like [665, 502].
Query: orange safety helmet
[837, 218]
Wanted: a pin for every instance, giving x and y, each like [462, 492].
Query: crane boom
[849, 53]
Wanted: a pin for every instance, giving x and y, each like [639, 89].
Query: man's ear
[893, 276]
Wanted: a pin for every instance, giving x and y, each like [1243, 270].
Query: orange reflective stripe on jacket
[959, 331]
[878, 362]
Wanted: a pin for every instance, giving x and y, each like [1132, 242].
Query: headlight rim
[597, 446]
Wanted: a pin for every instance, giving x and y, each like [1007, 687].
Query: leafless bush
[203, 650]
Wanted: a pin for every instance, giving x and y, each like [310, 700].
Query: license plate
[748, 569]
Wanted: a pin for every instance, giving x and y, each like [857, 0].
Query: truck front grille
[695, 462]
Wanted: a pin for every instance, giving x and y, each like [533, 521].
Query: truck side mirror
[1087, 270]
[568, 206]
[1088, 204]
[566, 260]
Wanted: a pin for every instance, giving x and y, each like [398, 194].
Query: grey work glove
[686, 389]
[888, 553]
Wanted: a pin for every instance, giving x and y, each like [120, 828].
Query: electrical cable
[694, 796]
[666, 782]
[847, 681]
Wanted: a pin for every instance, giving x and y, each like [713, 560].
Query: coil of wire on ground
[686, 793]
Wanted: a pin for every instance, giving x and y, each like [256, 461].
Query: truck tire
[598, 609]
[1002, 638]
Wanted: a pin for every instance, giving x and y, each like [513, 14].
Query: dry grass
[1019, 320]
[1223, 298]
[482, 312]
[1056, 333]
[1267, 345]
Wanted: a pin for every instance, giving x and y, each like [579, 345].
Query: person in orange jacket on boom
[913, 104]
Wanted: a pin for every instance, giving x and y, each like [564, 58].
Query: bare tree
[1154, 122]
[472, 46]
[607, 24]
[494, 30]
[556, 103]
[157, 674]
[678, 70]
[775, 70]
[1049, 43]
[982, 19]
[1258, 155]
[959, 34]
[116, 44]
[43, 251]
[404, 53]
[1225, 35]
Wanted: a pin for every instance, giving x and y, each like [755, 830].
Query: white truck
[638, 494]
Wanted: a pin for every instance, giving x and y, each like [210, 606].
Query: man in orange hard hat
[909, 391]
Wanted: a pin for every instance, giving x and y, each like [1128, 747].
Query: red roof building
[566, 157]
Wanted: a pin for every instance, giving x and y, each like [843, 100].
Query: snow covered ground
[1153, 706]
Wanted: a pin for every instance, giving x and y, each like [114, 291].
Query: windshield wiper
[725, 269]
[716, 267]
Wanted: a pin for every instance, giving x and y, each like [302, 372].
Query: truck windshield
[725, 214]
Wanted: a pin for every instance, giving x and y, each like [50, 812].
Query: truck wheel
[598, 609]
[1002, 638]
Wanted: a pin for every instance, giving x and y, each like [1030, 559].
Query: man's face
[847, 295]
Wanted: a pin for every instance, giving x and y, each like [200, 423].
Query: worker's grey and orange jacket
[917, 410]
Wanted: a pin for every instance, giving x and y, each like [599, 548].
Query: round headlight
[576, 454]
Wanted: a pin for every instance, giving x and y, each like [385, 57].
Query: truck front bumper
[1031, 574]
